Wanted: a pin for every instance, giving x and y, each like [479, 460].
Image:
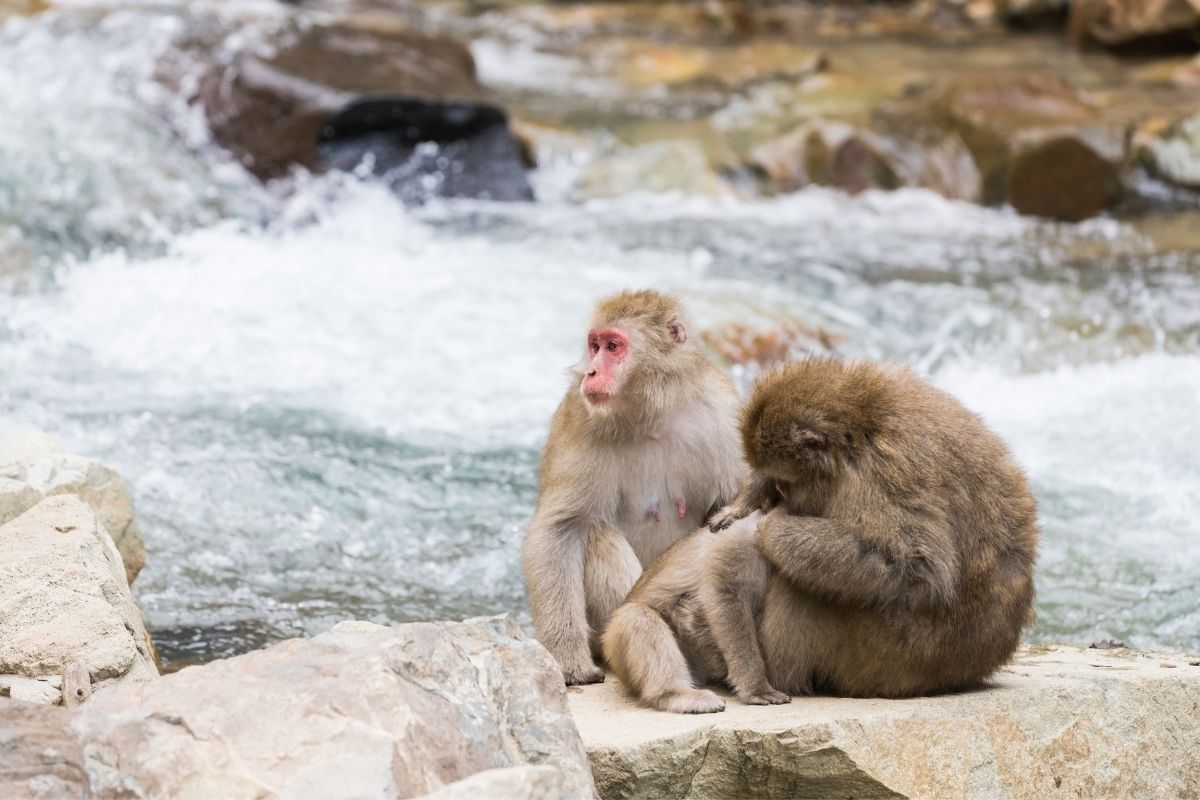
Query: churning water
[329, 405]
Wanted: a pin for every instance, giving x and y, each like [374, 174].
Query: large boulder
[33, 466]
[64, 602]
[449, 710]
[405, 104]
[1037, 141]
[1060, 722]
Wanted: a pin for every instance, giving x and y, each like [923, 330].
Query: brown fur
[669, 433]
[897, 560]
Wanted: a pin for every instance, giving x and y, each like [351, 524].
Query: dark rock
[1155, 25]
[429, 148]
[1069, 175]
[407, 103]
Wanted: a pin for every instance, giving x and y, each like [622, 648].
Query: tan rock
[670, 166]
[1060, 722]
[64, 600]
[1015, 125]
[33, 466]
[825, 153]
[459, 710]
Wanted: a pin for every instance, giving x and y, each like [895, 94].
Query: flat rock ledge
[1060, 722]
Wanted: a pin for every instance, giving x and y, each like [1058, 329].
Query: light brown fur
[896, 558]
[668, 434]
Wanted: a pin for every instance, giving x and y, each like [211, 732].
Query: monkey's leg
[553, 557]
[732, 584]
[859, 565]
[610, 569]
[642, 650]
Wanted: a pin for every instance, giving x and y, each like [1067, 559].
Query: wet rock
[33, 466]
[674, 166]
[1069, 175]
[825, 153]
[1171, 151]
[1015, 125]
[64, 601]
[1060, 721]
[642, 63]
[1160, 24]
[459, 710]
[406, 105]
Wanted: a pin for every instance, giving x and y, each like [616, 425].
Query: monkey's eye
[612, 347]
[594, 346]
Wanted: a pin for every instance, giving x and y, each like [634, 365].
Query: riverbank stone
[64, 601]
[447, 710]
[1058, 722]
[34, 466]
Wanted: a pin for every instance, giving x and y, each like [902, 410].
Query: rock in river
[405, 105]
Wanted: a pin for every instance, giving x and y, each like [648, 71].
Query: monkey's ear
[803, 438]
[677, 331]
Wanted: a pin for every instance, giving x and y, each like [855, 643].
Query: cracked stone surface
[460, 710]
[1059, 722]
[63, 599]
[34, 466]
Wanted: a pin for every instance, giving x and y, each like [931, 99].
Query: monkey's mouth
[597, 398]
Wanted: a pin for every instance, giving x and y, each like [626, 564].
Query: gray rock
[64, 600]
[33, 466]
[1060, 721]
[449, 710]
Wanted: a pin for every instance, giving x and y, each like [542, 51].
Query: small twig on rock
[76, 684]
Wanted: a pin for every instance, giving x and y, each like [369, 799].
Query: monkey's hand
[757, 494]
[726, 517]
[581, 672]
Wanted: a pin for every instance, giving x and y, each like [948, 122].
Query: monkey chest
[662, 497]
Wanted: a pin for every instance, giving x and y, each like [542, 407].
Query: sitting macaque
[642, 450]
[882, 546]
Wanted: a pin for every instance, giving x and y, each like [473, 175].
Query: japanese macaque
[883, 545]
[643, 448]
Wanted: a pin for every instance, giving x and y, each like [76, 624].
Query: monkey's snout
[591, 373]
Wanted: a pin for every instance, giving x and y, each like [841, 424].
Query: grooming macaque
[883, 546]
[643, 448]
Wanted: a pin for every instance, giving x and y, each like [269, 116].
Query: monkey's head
[805, 419]
[636, 347]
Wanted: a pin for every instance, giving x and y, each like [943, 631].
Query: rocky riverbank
[477, 709]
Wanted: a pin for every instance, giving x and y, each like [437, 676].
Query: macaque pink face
[607, 349]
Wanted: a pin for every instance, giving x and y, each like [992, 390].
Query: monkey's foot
[692, 701]
[764, 697]
[575, 676]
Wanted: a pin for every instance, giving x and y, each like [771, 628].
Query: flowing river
[330, 405]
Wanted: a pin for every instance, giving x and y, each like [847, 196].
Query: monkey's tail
[642, 650]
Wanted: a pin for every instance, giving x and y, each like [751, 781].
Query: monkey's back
[937, 460]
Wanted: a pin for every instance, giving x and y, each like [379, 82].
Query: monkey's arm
[553, 563]
[905, 563]
[757, 494]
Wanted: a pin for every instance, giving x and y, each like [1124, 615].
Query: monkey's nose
[591, 373]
